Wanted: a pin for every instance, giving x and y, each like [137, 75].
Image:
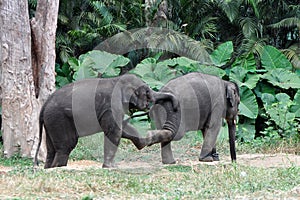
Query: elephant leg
[63, 150]
[50, 152]
[112, 136]
[209, 142]
[214, 153]
[159, 136]
[129, 132]
[61, 158]
[166, 153]
[62, 139]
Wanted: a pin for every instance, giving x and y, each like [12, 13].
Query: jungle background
[253, 43]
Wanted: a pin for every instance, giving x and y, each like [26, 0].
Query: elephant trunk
[168, 130]
[163, 96]
[231, 131]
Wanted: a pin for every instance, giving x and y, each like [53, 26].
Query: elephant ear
[232, 94]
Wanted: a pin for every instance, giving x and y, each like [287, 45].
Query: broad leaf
[106, 63]
[243, 78]
[238, 74]
[85, 69]
[247, 63]
[248, 106]
[181, 61]
[164, 73]
[212, 70]
[146, 66]
[95, 62]
[296, 104]
[246, 130]
[282, 78]
[278, 109]
[222, 54]
[272, 58]
[251, 80]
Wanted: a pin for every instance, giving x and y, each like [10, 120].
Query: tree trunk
[20, 82]
[19, 105]
[43, 27]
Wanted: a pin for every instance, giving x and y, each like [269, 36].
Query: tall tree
[27, 55]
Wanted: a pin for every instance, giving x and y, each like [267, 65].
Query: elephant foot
[141, 143]
[166, 161]
[158, 136]
[215, 157]
[109, 166]
[206, 159]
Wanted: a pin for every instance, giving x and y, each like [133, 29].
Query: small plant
[15, 160]
[278, 109]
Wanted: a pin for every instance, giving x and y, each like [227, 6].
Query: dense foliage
[251, 42]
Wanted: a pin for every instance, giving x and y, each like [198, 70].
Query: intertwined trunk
[28, 75]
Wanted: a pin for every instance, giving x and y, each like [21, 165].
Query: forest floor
[269, 174]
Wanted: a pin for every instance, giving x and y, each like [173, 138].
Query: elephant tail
[41, 123]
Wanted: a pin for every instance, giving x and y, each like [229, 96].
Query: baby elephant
[89, 106]
[203, 101]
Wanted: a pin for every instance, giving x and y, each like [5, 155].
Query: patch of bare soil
[254, 160]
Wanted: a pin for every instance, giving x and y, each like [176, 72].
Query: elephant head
[143, 96]
[233, 100]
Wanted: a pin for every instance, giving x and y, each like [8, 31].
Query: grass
[171, 182]
[197, 181]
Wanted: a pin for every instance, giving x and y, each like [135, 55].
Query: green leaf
[295, 108]
[61, 81]
[268, 99]
[74, 63]
[238, 74]
[222, 54]
[246, 130]
[247, 63]
[212, 70]
[243, 78]
[106, 63]
[92, 63]
[85, 69]
[248, 105]
[278, 109]
[282, 78]
[272, 58]
[164, 73]
[145, 67]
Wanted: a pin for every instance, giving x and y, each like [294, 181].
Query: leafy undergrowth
[142, 176]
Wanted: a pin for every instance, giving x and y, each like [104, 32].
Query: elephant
[89, 106]
[203, 101]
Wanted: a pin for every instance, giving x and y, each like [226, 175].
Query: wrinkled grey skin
[89, 106]
[203, 101]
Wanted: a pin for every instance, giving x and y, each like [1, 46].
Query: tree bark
[28, 73]
[19, 105]
[43, 27]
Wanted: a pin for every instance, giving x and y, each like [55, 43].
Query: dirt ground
[255, 160]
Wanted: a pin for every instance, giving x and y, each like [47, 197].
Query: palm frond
[101, 9]
[293, 57]
[230, 8]
[252, 45]
[287, 23]
[250, 27]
